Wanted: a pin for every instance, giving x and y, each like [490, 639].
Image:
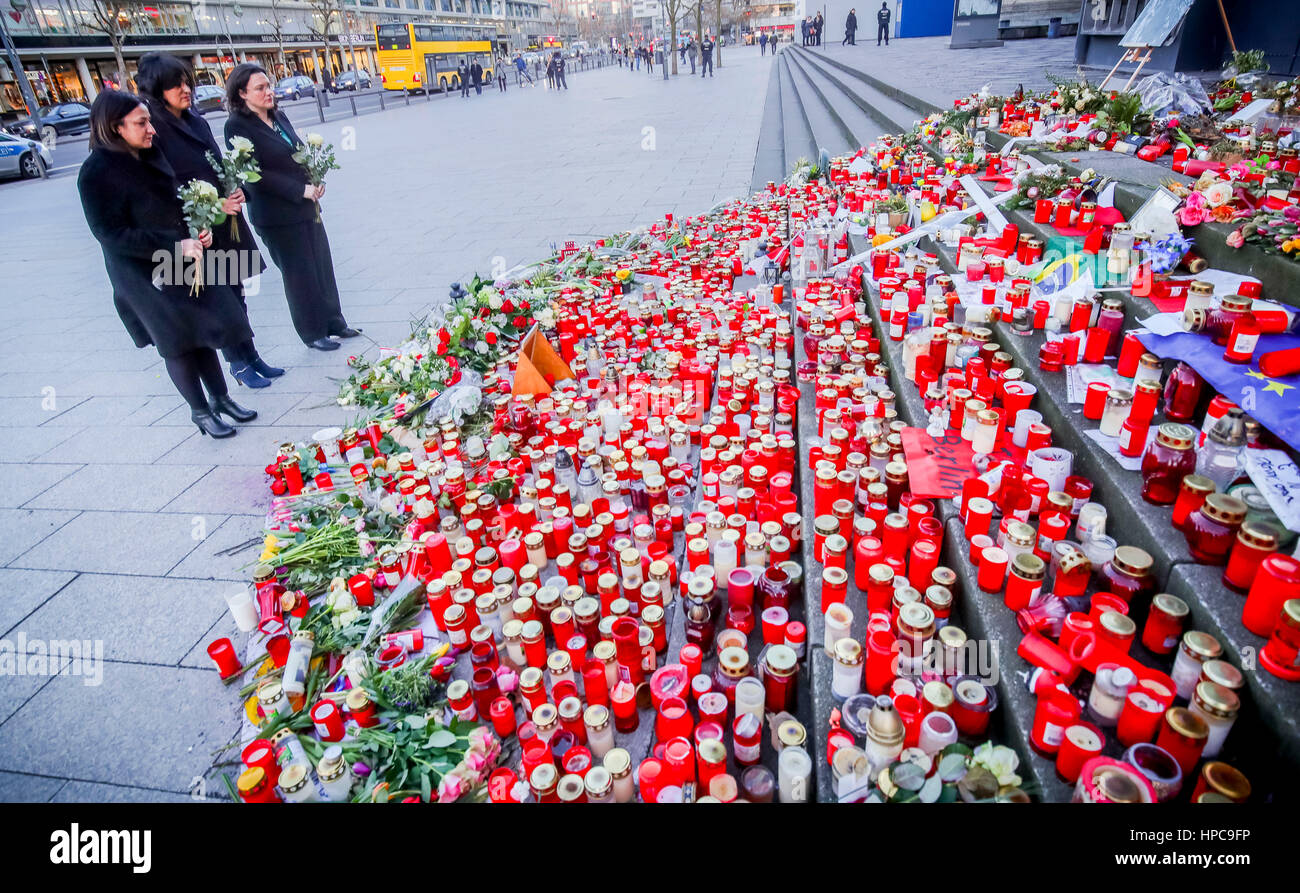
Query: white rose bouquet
[201, 205]
[317, 159]
[234, 169]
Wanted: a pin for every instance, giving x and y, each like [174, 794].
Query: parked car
[209, 98]
[295, 87]
[351, 80]
[60, 119]
[22, 157]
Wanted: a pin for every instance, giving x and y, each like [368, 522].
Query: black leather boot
[210, 423]
[225, 405]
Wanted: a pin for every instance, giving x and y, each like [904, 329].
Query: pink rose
[1192, 216]
[450, 789]
[480, 739]
[475, 762]
[1236, 239]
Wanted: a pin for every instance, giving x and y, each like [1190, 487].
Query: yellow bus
[425, 57]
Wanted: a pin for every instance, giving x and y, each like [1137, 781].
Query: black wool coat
[134, 213]
[183, 141]
[276, 199]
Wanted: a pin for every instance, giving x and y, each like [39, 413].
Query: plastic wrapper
[461, 400]
[1244, 80]
[1164, 93]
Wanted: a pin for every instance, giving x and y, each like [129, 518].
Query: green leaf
[426, 792]
[442, 738]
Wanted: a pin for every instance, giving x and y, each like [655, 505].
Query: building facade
[67, 55]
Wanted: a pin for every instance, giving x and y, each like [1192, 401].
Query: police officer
[882, 24]
[706, 56]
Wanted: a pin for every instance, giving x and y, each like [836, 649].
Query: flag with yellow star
[1270, 401]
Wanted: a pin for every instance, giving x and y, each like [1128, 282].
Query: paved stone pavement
[111, 503]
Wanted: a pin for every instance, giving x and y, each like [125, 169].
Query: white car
[23, 157]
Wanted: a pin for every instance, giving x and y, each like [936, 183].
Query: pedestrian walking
[882, 24]
[706, 56]
[803, 29]
[537, 68]
[550, 73]
[692, 51]
[521, 70]
[818, 23]
[462, 73]
[650, 58]
[283, 207]
[850, 28]
[184, 138]
[501, 75]
[762, 43]
[128, 194]
[476, 73]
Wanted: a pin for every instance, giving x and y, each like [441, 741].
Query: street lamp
[663, 17]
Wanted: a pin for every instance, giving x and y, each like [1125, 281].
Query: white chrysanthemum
[315, 140]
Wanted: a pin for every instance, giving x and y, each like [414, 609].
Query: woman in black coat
[282, 205]
[185, 140]
[128, 192]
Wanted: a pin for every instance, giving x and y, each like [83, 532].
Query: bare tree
[675, 9]
[346, 31]
[112, 18]
[324, 11]
[277, 29]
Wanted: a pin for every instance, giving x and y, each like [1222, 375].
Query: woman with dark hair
[185, 139]
[282, 206]
[128, 193]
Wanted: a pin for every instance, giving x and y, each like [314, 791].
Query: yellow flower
[623, 275]
[881, 238]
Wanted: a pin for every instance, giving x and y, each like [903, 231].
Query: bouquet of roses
[317, 159]
[201, 205]
[234, 169]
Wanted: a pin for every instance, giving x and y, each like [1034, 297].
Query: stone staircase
[818, 102]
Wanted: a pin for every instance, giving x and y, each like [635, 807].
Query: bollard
[352, 100]
[320, 109]
[382, 106]
[406, 94]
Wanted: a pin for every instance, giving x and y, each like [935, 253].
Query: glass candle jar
[1196, 648]
[846, 673]
[1183, 734]
[780, 677]
[1118, 403]
[1192, 491]
[1169, 459]
[600, 732]
[1218, 707]
[1212, 529]
[837, 622]
[1256, 540]
[1128, 574]
[794, 771]
[1109, 690]
[1164, 624]
[618, 763]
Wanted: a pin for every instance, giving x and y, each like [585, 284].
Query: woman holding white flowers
[128, 193]
[283, 207]
[186, 140]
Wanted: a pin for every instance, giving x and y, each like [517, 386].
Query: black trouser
[848, 38]
[190, 371]
[707, 65]
[301, 251]
[560, 81]
[882, 31]
[464, 88]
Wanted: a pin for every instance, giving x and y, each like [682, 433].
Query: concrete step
[796, 131]
[889, 105]
[829, 129]
[844, 104]
[769, 157]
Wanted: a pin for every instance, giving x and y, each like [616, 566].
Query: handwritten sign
[1278, 478]
[938, 466]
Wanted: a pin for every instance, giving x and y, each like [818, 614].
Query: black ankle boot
[224, 404]
[210, 423]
